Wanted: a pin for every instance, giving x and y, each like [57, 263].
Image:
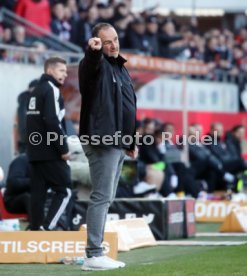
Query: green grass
[159, 260]
[207, 227]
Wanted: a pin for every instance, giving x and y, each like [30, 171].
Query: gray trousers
[105, 165]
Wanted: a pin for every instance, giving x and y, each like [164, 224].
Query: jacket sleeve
[53, 123]
[89, 66]
[167, 39]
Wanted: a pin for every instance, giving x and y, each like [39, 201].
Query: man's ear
[49, 71]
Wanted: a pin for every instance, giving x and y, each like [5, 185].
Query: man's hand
[95, 43]
[66, 156]
[132, 153]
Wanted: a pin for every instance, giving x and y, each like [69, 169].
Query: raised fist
[95, 43]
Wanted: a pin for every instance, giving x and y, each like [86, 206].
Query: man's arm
[90, 64]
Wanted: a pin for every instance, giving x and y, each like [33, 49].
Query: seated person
[153, 156]
[231, 163]
[187, 184]
[233, 140]
[204, 164]
[17, 193]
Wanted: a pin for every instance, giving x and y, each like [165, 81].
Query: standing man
[47, 147]
[108, 108]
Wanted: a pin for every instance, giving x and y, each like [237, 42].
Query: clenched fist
[95, 43]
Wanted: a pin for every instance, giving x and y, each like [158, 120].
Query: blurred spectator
[121, 20]
[231, 164]
[187, 183]
[60, 24]
[153, 155]
[167, 38]
[234, 139]
[36, 11]
[72, 21]
[152, 35]
[136, 38]
[205, 166]
[148, 126]
[19, 36]
[7, 36]
[39, 55]
[17, 193]
[121, 11]
[72, 6]
[197, 47]
[88, 18]
[106, 13]
[241, 36]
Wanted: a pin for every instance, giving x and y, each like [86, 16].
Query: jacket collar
[46, 77]
[119, 60]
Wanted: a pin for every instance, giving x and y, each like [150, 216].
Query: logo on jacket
[32, 103]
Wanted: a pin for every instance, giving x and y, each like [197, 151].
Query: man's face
[110, 42]
[218, 130]
[58, 72]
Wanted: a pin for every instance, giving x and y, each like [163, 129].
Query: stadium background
[16, 74]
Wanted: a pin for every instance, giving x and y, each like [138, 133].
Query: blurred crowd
[146, 32]
[192, 164]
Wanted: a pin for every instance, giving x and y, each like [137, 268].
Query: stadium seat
[4, 214]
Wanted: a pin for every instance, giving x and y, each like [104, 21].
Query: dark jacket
[234, 147]
[201, 154]
[18, 179]
[153, 46]
[221, 151]
[150, 154]
[137, 41]
[164, 45]
[45, 114]
[23, 99]
[101, 91]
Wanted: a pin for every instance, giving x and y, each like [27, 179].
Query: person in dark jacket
[47, 147]
[167, 37]
[17, 193]
[21, 115]
[204, 164]
[152, 35]
[136, 38]
[231, 165]
[233, 142]
[108, 108]
[154, 155]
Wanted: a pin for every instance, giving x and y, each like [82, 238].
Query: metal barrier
[17, 54]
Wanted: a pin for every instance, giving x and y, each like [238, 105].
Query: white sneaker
[143, 187]
[101, 263]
